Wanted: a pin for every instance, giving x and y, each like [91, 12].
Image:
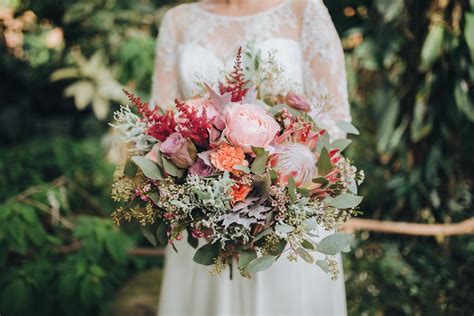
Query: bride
[199, 41]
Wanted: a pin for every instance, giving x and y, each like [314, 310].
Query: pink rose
[201, 169]
[248, 125]
[298, 102]
[203, 104]
[179, 150]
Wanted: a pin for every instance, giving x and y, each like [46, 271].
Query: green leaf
[260, 163]
[130, 169]
[244, 169]
[323, 265]
[324, 163]
[321, 180]
[116, 246]
[463, 102]
[149, 167]
[83, 92]
[284, 228]
[149, 235]
[193, 242]
[347, 127]
[263, 234]
[308, 245]
[246, 257]
[260, 264]
[432, 47]
[390, 9]
[334, 244]
[207, 254]
[304, 192]
[15, 297]
[292, 189]
[162, 234]
[171, 169]
[341, 144]
[273, 174]
[154, 197]
[346, 200]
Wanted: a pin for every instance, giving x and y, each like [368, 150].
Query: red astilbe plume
[160, 126]
[235, 81]
[192, 125]
[142, 108]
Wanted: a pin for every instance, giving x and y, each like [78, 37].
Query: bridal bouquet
[246, 175]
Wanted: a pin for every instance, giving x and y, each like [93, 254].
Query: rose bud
[298, 102]
[179, 150]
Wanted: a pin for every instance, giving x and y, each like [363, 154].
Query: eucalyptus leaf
[149, 235]
[244, 169]
[260, 264]
[346, 200]
[340, 144]
[246, 257]
[263, 234]
[334, 244]
[149, 168]
[207, 254]
[193, 242]
[308, 244]
[323, 265]
[171, 169]
[347, 127]
[162, 234]
[130, 169]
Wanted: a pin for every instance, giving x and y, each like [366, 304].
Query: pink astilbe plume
[193, 125]
[160, 126]
[235, 81]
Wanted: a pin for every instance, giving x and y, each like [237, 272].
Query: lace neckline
[270, 10]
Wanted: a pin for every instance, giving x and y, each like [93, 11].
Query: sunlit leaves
[432, 46]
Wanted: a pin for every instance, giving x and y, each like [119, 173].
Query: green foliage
[58, 263]
[410, 71]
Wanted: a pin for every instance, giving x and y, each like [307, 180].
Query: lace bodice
[195, 45]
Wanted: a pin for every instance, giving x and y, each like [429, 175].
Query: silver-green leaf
[346, 200]
[149, 167]
[260, 264]
[334, 244]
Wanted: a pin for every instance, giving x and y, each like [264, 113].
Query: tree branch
[465, 227]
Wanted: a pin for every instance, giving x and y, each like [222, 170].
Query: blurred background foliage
[63, 64]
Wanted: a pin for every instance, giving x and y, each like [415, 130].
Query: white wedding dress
[194, 45]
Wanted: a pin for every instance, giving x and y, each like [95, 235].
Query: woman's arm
[324, 67]
[165, 78]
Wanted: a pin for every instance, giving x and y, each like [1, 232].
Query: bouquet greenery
[242, 169]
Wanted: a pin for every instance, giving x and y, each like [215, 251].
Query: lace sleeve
[324, 68]
[165, 78]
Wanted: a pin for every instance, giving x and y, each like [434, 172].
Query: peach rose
[226, 157]
[248, 125]
[240, 192]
